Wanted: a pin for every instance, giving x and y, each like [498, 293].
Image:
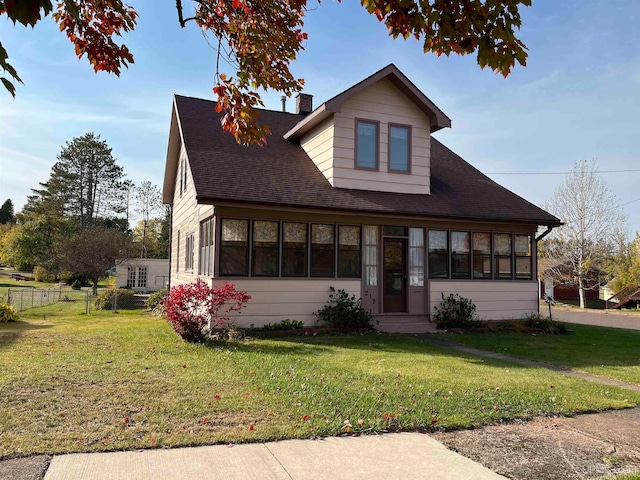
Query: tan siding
[495, 300]
[382, 102]
[319, 146]
[274, 300]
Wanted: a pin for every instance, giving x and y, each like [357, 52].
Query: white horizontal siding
[186, 219]
[273, 300]
[494, 300]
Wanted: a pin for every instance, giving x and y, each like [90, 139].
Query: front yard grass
[608, 352]
[81, 383]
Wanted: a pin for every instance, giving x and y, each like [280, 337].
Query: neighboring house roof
[436, 116]
[626, 296]
[281, 174]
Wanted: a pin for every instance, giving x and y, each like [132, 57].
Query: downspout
[538, 238]
[545, 233]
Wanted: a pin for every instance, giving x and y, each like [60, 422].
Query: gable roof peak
[438, 118]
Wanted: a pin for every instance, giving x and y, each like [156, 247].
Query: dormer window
[399, 148]
[367, 144]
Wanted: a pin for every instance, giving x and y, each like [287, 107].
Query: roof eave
[173, 156]
[307, 123]
[207, 200]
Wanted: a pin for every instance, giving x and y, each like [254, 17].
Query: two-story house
[355, 194]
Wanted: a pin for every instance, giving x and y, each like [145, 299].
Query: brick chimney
[304, 103]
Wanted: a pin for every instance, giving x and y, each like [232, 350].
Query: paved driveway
[601, 318]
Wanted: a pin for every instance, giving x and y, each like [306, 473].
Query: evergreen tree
[6, 212]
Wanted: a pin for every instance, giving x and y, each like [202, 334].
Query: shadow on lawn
[12, 331]
[369, 342]
[285, 346]
[587, 347]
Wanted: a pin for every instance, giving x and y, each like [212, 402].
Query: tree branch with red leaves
[260, 38]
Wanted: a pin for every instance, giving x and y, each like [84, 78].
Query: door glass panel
[394, 293]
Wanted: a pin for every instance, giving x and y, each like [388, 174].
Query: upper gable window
[367, 144]
[399, 148]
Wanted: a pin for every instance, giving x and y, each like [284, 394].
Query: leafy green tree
[6, 212]
[148, 203]
[626, 265]
[85, 183]
[34, 242]
[147, 238]
[260, 38]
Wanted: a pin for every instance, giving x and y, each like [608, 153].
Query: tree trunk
[95, 286]
[581, 294]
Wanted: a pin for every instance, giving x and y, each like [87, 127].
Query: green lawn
[609, 352]
[6, 283]
[77, 383]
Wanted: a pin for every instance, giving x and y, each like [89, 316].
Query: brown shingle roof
[281, 174]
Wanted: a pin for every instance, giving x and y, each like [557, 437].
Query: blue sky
[577, 98]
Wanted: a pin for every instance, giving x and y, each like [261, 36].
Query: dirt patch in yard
[30, 468]
[580, 447]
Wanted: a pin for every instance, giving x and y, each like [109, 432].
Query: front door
[394, 296]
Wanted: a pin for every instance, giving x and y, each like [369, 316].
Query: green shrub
[41, 274]
[8, 313]
[65, 276]
[285, 324]
[76, 285]
[115, 298]
[546, 325]
[344, 312]
[455, 312]
[155, 299]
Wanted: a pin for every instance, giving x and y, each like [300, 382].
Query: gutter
[545, 233]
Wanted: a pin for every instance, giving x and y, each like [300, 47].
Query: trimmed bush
[155, 299]
[455, 312]
[65, 276]
[344, 312]
[546, 325]
[116, 298]
[195, 309]
[8, 313]
[41, 274]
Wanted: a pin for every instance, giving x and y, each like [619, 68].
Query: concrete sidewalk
[396, 455]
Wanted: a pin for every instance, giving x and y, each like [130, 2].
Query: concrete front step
[403, 324]
[406, 328]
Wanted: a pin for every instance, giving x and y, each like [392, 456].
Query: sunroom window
[234, 247]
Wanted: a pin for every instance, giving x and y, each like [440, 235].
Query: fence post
[87, 302]
[8, 296]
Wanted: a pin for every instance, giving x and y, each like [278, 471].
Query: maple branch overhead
[264, 36]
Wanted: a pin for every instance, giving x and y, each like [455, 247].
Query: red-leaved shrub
[191, 307]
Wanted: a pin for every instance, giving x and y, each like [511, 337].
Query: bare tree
[593, 218]
[148, 203]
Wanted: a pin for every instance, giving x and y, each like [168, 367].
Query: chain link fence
[108, 299]
[25, 298]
